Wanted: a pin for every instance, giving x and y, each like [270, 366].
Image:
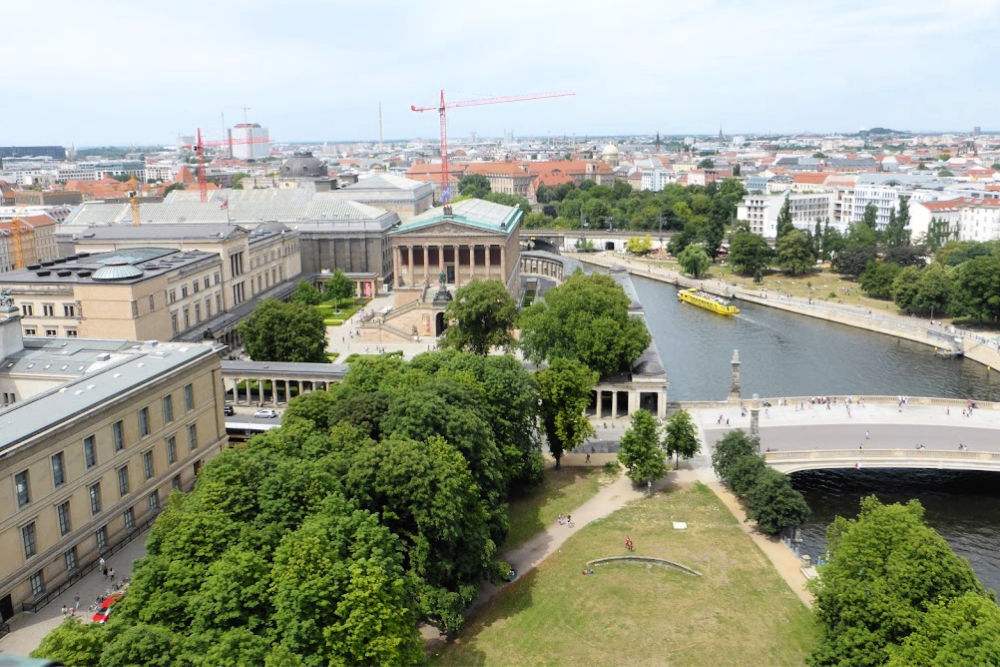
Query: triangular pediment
[448, 229]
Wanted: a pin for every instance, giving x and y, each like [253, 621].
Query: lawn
[740, 612]
[560, 492]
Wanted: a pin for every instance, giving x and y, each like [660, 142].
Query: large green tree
[960, 631]
[785, 219]
[884, 572]
[565, 392]
[774, 504]
[977, 288]
[694, 260]
[680, 437]
[726, 451]
[306, 293]
[749, 253]
[587, 319]
[483, 314]
[73, 643]
[641, 452]
[795, 254]
[338, 287]
[877, 279]
[897, 232]
[277, 331]
[474, 185]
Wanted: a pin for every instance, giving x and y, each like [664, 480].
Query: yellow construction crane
[133, 200]
[17, 230]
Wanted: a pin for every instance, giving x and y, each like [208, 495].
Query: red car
[105, 609]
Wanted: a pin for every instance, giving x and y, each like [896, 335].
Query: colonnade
[272, 391]
[611, 401]
[418, 264]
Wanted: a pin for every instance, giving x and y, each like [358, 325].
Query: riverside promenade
[975, 346]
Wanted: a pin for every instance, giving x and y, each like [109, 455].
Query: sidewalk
[27, 630]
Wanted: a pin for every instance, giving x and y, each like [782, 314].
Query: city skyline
[125, 75]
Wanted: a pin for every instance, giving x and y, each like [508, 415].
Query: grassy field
[561, 492]
[739, 613]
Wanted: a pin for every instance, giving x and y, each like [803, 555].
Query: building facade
[470, 240]
[250, 141]
[93, 437]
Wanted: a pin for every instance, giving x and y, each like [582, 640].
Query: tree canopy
[325, 541]
[749, 253]
[564, 389]
[483, 316]
[888, 582]
[587, 319]
[338, 286]
[680, 438]
[641, 451]
[694, 260]
[277, 331]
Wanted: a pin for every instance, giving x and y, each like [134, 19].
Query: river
[783, 354]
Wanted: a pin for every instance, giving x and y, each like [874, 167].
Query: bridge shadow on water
[963, 506]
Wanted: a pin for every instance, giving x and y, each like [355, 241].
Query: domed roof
[117, 272]
[303, 165]
[610, 149]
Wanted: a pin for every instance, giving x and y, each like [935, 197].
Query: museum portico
[470, 240]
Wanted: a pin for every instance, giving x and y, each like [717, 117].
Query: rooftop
[84, 373]
[125, 266]
[477, 213]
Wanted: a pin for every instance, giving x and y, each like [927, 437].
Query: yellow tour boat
[716, 304]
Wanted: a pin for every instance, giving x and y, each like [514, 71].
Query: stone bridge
[799, 433]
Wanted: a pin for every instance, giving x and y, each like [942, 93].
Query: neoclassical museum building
[446, 247]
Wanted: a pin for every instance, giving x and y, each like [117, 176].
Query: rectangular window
[173, 296]
[29, 331]
[173, 322]
[129, 517]
[193, 436]
[95, 498]
[58, 470]
[171, 449]
[207, 282]
[69, 310]
[48, 309]
[102, 537]
[118, 433]
[70, 557]
[21, 486]
[154, 501]
[123, 480]
[168, 409]
[144, 422]
[152, 303]
[28, 535]
[188, 397]
[27, 309]
[90, 451]
[184, 291]
[197, 313]
[63, 512]
[37, 584]
[70, 333]
[147, 463]
[51, 333]
[135, 309]
[175, 483]
[195, 287]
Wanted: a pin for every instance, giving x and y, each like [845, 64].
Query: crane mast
[442, 109]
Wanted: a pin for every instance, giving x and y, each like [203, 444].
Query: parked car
[265, 413]
[104, 610]
[228, 410]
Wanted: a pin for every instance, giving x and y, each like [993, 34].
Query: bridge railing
[881, 456]
[857, 400]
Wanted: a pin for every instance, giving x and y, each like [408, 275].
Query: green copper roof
[476, 213]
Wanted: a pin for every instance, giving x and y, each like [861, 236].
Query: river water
[783, 354]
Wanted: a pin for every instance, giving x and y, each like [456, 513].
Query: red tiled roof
[811, 177]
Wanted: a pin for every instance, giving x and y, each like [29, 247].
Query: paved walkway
[27, 630]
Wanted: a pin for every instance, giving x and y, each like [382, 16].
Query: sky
[120, 73]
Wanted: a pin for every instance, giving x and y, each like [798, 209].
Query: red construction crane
[199, 151]
[441, 108]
